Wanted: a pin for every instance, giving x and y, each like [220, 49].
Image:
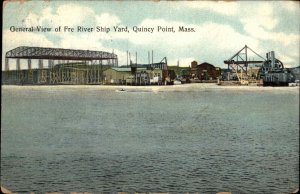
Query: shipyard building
[69, 66]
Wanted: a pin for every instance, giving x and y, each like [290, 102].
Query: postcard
[150, 97]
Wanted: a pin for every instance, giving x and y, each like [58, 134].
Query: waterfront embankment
[153, 88]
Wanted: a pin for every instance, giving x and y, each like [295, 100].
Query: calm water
[206, 141]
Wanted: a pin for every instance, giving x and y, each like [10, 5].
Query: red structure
[194, 65]
[206, 71]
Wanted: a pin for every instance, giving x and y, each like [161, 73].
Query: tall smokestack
[127, 57]
[272, 59]
[152, 58]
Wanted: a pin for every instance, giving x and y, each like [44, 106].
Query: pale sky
[221, 28]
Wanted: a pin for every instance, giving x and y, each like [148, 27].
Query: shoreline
[152, 88]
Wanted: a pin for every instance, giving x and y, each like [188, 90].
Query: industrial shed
[207, 71]
[131, 76]
[117, 75]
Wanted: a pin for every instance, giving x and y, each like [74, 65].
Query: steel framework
[241, 59]
[88, 71]
[25, 52]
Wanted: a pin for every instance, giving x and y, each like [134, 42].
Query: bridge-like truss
[242, 60]
[24, 52]
[65, 66]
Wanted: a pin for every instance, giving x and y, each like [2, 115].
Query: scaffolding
[65, 66]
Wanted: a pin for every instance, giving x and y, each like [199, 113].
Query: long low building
[132, 76]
